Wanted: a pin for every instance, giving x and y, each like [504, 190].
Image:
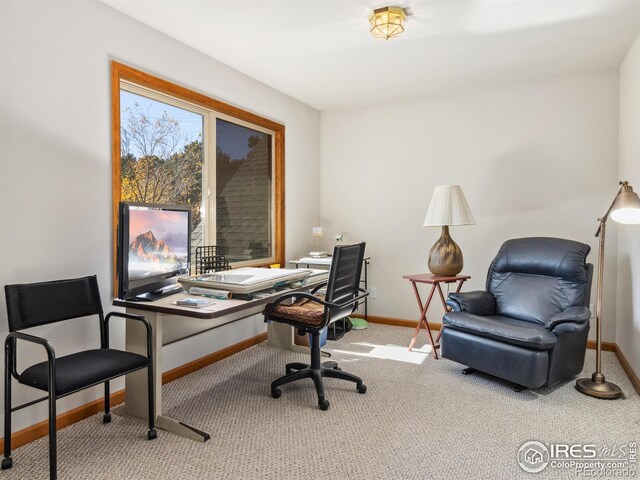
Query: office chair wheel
[337, 368]
[106, 418]
[362, 388]
[152, 434]
[276, 392]
[323, 404]
[7, 463]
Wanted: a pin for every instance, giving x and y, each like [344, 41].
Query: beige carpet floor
[420, 419]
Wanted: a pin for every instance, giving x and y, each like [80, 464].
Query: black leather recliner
[530, 326]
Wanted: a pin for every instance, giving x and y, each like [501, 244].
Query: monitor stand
[158, 294]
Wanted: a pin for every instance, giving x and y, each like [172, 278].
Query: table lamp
[625, 209]
[448, 207]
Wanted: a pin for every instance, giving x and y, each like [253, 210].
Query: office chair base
[299, 371]
[7, 463]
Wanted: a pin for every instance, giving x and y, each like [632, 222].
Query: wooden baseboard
[606, 346]
[41, 429]
[398, 322]
[626, 366]
[202, 362]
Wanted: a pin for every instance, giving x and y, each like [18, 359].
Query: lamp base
[598, 387]
[445, 257]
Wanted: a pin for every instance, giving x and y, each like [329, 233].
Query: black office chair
[310, 314]
[42, 303]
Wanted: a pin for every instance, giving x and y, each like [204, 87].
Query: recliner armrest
[478, 302]
[575, 314]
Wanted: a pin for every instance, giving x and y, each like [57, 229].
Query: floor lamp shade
[448, 207]
[625, 208]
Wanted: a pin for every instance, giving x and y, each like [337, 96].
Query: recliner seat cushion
[81, 369]
[504, 329]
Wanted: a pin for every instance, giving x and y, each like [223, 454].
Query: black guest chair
[34, 304]
[310, 314]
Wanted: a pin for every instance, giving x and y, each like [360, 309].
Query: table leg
[444, 305]
[136, 404]
[423, 319]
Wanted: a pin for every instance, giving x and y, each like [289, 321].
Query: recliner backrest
[535, 278]
[344, 277]
[33, 304]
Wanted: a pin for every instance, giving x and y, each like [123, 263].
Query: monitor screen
[153, 248]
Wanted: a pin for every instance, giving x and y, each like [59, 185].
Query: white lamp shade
[448, 207]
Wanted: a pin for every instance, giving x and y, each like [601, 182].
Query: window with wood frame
[172, 145]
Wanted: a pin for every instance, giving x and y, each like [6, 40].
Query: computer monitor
[153, 249]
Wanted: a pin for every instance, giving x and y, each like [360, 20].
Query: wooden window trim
[120, 72]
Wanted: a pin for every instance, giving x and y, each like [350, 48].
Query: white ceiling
[321, 52]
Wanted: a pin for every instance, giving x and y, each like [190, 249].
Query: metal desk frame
[225, 311]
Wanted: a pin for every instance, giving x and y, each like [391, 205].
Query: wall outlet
[373, 292]
[591, 310]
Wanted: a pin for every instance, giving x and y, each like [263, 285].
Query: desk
[182, 322]
[435, 282]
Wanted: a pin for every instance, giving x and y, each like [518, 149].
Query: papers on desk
[316, 260]
[210, 292]
[317, 275]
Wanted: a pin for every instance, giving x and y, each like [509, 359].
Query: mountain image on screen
[150, 256]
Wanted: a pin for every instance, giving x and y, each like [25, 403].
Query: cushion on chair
[82, 369]
[303, 310]
[504, 329]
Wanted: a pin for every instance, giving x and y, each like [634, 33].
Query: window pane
[162, 156]
[243, 192]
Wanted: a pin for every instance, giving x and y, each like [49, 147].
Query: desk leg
[136, 404]
[280, 335]
[423, 319]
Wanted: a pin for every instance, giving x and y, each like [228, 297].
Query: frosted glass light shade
[448, 207]
[387, 22]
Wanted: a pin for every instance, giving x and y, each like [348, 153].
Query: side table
[435, 282]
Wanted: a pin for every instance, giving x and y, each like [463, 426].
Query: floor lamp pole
[597, 386]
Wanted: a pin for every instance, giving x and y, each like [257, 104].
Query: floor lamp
[625, 208]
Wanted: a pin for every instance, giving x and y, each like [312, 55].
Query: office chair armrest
[129, 316]
[313, 298]
[318, 287]
[11, 348]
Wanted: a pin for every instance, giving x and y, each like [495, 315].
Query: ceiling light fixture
[387, 22]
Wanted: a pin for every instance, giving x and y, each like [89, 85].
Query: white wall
[535, 159]
[55, 155]
[628, 311]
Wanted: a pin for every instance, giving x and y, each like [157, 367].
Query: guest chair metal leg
[7, 461]
[107, 404]
[153, 433]
[53, 447]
